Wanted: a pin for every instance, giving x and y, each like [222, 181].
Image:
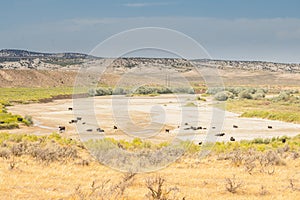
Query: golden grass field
[47, 171]
[195, 179]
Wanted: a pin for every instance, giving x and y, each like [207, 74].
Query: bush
[92, 92]
[119, 91]
[223, 96]
[214, 90]
[28, 120]
[282, 96]
[9, 126]
[235, 90]
[158, 190]
[184, 90]
[103, 91]
[190, 104]
[233, 184]
[258, 96]
[245, 94]
[201, 98]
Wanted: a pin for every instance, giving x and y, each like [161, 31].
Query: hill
[19, 68]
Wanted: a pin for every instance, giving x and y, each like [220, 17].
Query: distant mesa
[16, 53]
[23, 59]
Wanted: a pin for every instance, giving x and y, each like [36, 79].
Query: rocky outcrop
[251, 65]
[20, 59]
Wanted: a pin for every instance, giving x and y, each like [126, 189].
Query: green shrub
[215, 90]
[282, 96]
[245, 94]
[119, 91]
[190, 104]
[258, 96]
[9, 126]
[103, 91]
[28, 120]
[223, 96]
[199, 98]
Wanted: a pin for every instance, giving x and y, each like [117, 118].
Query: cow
[20, 119]
[83, 123]
[115, 127]
[187, 128]
[70, 108]
[220, 134]
[73, 121]
[235, 126]
[199, 128]
[194, 128]
[2, 122]
[186, 124]
[283, 140]
[62, 128]
[204, 128]
[89, 130]
[167, 130]
[270, 127]
[79, 118]
[232, 139]
[100, 130]
[120, 145]
[200, 143]
[213, 127]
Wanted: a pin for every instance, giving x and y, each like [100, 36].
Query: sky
[267, 30]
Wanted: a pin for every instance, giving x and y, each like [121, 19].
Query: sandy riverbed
[146, 117]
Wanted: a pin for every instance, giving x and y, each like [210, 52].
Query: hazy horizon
[154, 57]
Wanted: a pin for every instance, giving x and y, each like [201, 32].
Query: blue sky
[228, 29]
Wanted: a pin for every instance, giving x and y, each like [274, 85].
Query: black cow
[115, 127]
[213, 127]
[62, 128]
[186, 124]
[73, 121]
[199, 128]
[83, 123]
[89, 130]
[235, 126]
[100, 130]
[2, 122]
[232, 139]
[186, 128]
[200, 143]
[20, 119]
[270, 127]
[283, 140]
[70, 108]
[194, 128]
[79, 118]
[167, 130]
[220, 134]
[204, 128]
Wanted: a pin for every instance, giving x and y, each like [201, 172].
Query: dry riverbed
[146, 117]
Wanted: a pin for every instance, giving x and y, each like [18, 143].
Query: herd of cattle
[63, 128]
[77, 120]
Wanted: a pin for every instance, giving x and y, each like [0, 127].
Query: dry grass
[195, 178]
